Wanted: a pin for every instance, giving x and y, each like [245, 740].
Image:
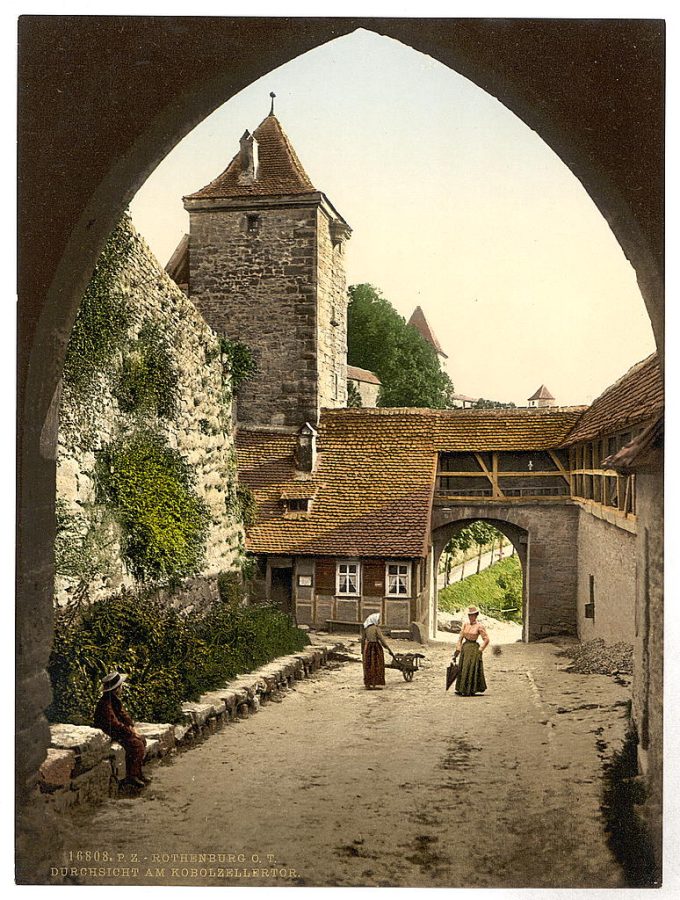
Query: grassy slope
[481, 590]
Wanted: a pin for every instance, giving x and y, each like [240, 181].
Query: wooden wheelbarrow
[406, 663]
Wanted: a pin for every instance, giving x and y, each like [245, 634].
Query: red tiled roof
[279, 169]
[452, 429]
[636, 452]
[542, 394]
[178, 264]
[420, 323]
[375, 474]
[356, 374]
[367, 503]
[634, 398]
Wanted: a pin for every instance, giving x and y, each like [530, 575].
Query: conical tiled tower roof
[420, 323]
[279, 171]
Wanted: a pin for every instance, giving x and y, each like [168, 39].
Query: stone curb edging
[84, 766]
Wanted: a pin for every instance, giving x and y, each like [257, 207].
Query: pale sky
[456, 206]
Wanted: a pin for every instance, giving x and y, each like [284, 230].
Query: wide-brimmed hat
[472, 611]
[112, 681]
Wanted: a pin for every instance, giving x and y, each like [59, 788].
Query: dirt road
[410, 786]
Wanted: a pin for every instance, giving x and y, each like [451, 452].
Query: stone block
[214, 700]
[164, 734]
[241, 693]
[57, 769]
[90, 745]
[117, 760]
[181, 732]
[92, 787]
[198, 712]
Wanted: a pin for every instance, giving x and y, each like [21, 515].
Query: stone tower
[266, 267]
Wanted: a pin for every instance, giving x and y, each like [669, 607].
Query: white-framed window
[348, 578]
[398, 579]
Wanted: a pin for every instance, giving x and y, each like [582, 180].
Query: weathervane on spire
[272, 95]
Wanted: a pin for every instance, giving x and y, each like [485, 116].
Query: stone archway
[545, 537]
[518, 537]
[103, 100]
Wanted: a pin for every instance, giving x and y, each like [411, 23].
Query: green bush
[163, 521]
[170, 656]
[495, 589]
[238, 361]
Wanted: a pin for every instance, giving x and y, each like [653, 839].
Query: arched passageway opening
[487, 594]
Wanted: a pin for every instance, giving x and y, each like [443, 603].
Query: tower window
[252, 222]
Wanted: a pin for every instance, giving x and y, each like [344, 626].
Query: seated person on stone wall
[111, 716]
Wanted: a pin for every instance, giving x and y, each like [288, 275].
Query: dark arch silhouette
[103, 99]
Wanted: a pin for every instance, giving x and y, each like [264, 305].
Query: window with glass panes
[397, 579]
[347, 576]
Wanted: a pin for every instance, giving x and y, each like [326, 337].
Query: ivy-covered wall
[146, 474]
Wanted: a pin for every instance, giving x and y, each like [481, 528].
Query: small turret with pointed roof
[266, 267]
[541, 397]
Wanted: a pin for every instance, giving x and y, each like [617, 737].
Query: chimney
[305, 451]
[248, 159]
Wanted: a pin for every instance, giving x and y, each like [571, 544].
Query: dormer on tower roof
[277, 169]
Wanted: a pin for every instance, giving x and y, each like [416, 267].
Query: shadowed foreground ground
[340, 786]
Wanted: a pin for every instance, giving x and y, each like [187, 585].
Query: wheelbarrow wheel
[408, 675]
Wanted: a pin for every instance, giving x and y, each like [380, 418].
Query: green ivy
[104, 316]
[169, 655]
[238, 361]
[246, 505]
[83, 547]
[164, 523]
[148, 379]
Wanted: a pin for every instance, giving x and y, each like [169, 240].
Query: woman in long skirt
[372, 643]
[470, 678]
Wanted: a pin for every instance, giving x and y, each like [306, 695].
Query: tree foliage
[491, 404]
[379, 339]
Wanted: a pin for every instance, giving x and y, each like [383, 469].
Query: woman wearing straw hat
[373, 658]
[111, 716]
[470, 678]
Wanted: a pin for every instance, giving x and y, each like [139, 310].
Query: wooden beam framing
[563, 472]
[492, 476]
[524, 474]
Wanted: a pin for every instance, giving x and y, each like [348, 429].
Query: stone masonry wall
[201, 431]
[258, 286]
[608, 554]
[332, 317]
[649, 642]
